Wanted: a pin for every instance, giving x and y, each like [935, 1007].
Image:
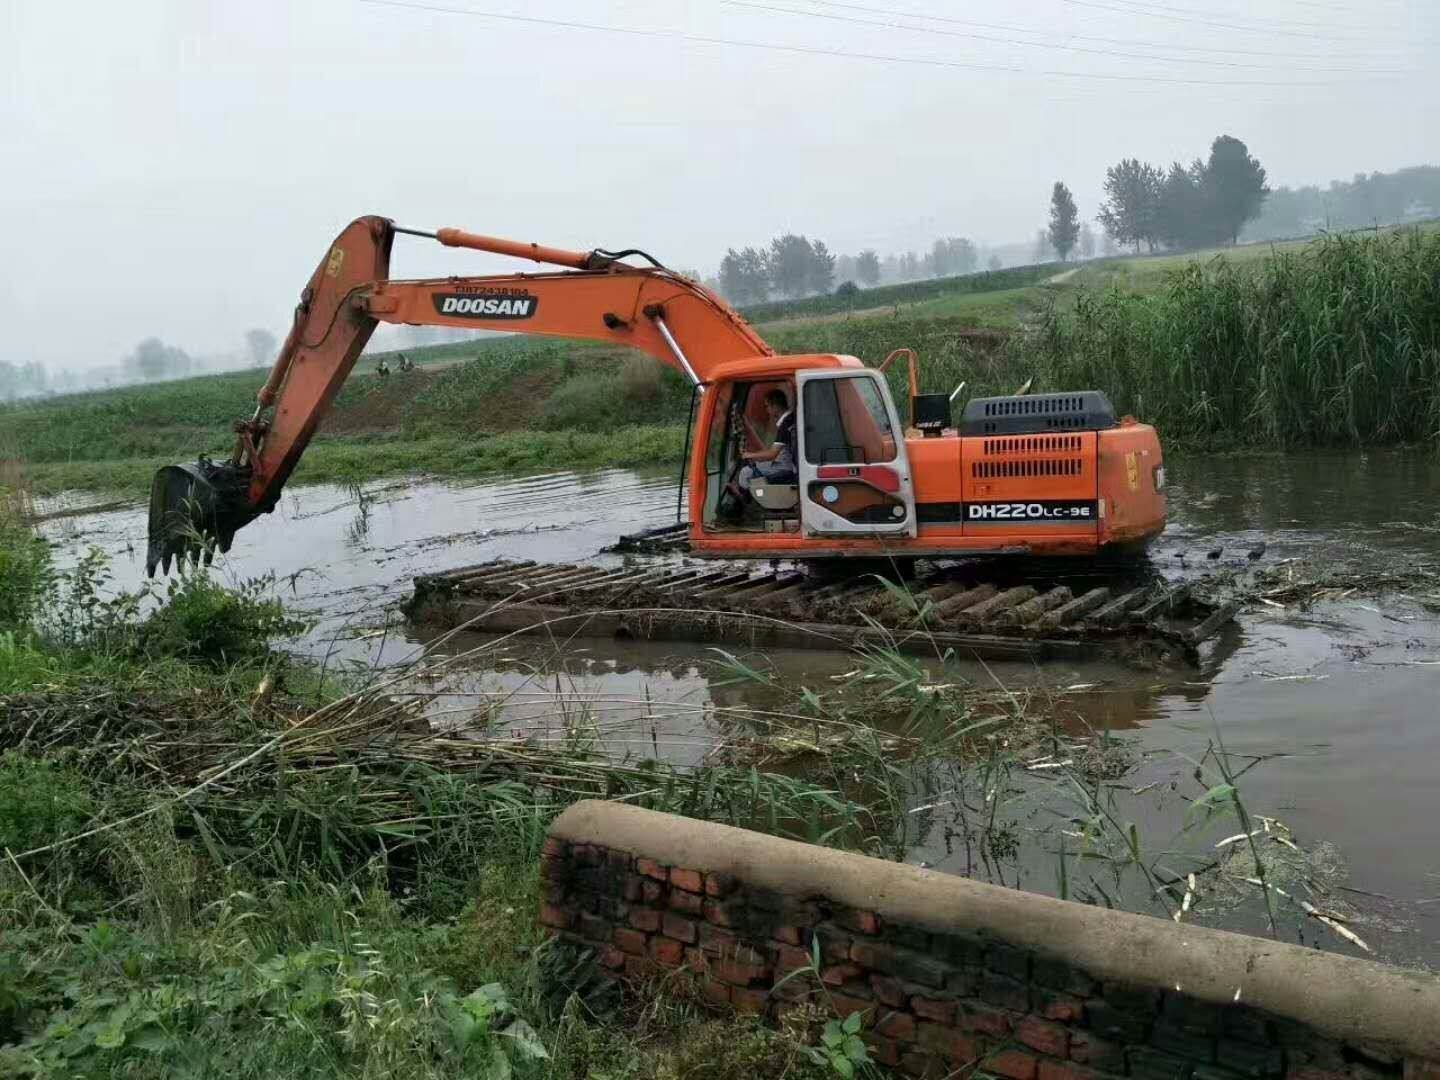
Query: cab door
[854, 472]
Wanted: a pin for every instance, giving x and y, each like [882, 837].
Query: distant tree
[744, 276]
[845, 268]
[1107, 245]
[1184, 217]
[153, 359]
[847, 290]
[910, 267]
[996, 263]
[260, 347]
[1043, 251]
[822, 268]
[937, 263]
[867, 267]
[1132, 202]
[1236, 185]
[791, 259]
[1087, 241]
[964, 255]
[1064, 221]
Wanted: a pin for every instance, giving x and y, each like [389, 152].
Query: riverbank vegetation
[1327, 343]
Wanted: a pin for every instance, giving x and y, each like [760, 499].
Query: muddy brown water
[1339, 702]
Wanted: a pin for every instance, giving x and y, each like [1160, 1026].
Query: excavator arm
[197, 508]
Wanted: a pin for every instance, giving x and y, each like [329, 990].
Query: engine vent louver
[992, 470]
[1082, 410]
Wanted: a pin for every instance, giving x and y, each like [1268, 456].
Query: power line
[1173, 46]
[805, 50]
[1164, 14]
[756, 6]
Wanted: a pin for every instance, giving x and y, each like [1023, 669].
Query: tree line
[792, 266]
[1199, 205]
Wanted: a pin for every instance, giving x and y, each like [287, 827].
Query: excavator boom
[197, 508]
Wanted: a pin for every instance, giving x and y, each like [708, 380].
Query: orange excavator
[1040, 474]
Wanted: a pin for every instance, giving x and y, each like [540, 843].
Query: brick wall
[952, 975]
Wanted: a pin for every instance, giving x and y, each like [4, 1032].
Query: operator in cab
[776, 463]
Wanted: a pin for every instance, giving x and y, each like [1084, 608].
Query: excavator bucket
[195, 510]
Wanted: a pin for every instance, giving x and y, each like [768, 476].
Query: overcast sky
[178, 168]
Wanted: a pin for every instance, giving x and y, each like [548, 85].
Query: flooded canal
[1333, 703]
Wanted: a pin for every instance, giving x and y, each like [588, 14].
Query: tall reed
[1335, 344]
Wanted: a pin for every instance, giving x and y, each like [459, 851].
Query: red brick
[667, 952]
[1011, 1063]
[790, 959]
[651, 891]
[586, 855]
[647, 919]
[845, 1005]
[889, 991]
[553, 894]
[716, 991]
[719, 884]
[689, 880]
[883, 1051]
[1417, 1069]
[612, 958]
[696, 960]
[594, 929]
[1064, 1070]
[839, 974]
[866, 922]
[652, 869]
[691, 903]
[679, 928]
[897, 1025]
[720, 914]
[954, 1045]
[713, 940]
[754, 1002]
[732, 971]
[1049, 1039]
[558, 917]
[551, 869]
[1062, 1007]
[834, 949]
[986, 1021]
[942, 1012]
[553, 847]
[630, 941]
[638, 967]
[788, 935]
[633, 889]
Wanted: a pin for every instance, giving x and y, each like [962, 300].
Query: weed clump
[203, 620]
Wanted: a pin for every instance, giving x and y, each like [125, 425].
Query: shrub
[24, 571]
[204, 620]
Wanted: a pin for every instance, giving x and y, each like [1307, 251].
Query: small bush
[204, 620]
[24, 572]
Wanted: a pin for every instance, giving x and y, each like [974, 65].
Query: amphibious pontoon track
[951, 608]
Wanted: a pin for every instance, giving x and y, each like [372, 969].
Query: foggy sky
[178, 168]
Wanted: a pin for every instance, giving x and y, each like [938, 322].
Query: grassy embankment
[1325, 343]
[213, 863]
